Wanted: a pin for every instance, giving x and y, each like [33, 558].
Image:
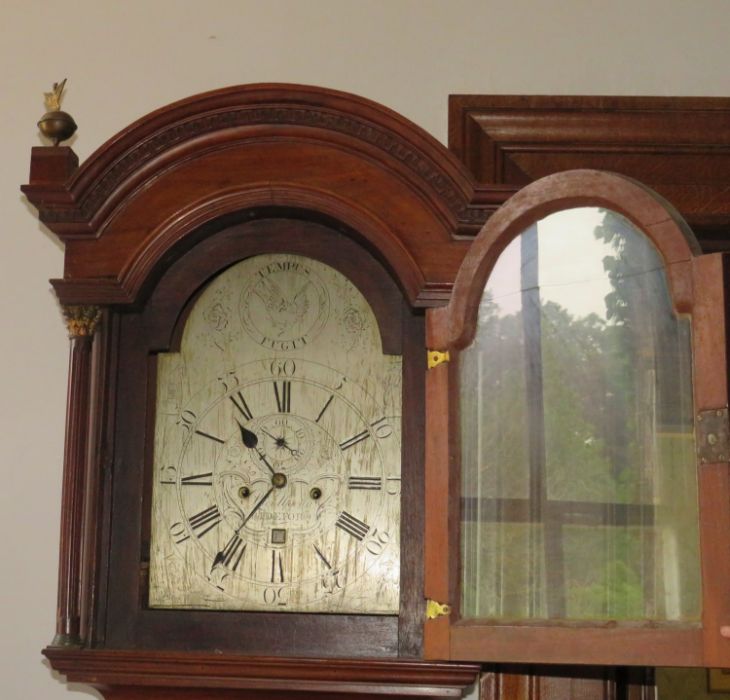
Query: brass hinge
[434, 609]
[436, 357]
[713, 436]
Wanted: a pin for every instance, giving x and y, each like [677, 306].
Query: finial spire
[55, 124]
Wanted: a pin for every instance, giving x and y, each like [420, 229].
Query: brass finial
[55, 124]
[53, 99]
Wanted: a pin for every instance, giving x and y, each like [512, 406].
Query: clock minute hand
[221, 556]
[262, 457]
[254, 509]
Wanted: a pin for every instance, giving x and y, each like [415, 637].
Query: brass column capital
[81, 321]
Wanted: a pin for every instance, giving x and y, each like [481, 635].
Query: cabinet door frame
[697, 288]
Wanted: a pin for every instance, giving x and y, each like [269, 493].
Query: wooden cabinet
[173, 201]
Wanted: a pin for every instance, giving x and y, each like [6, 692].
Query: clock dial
[277, 448]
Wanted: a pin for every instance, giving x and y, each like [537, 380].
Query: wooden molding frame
[249, 148]
[154, 674]
[678, 146]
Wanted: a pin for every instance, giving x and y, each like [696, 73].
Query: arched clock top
[148, 189]
[453, 326]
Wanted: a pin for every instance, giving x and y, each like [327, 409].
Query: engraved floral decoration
[217, 317]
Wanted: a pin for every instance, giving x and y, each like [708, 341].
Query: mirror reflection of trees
[578, 468]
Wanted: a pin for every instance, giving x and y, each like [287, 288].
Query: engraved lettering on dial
[286, 305]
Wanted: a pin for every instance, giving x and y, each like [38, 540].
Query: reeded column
[82, 322]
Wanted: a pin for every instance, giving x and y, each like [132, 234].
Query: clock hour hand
[248, 438]
[262, 457]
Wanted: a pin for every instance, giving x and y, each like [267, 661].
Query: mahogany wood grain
[96, 468]
[563, 644]
[566, 683]
[711, 393]
[678, 146]
[412, 616]
[51, 165]
[68, 612]
[153, 674]
[150, 187]
[709, 340]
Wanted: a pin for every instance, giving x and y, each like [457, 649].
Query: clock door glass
[579, 481]
[277, 448]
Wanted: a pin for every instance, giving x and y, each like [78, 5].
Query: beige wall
[124, 59]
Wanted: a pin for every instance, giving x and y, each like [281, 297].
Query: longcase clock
[246, 272]
[287, 473]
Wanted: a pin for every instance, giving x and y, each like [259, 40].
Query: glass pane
[579, 492]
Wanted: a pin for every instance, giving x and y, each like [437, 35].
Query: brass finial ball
[56, 124]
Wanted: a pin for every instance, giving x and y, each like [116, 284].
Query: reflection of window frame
[539, 509]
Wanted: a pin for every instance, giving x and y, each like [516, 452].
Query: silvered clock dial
[277, 448]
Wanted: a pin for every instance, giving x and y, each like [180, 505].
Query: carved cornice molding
[177, 134]
[204, 123]
[678, 146]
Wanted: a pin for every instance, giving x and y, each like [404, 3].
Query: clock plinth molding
[141, 674]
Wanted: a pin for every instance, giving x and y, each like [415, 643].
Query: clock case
[149, 218]
[282, 156]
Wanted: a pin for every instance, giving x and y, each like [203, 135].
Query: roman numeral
[198, 480]
[210, 437]
[282, 391]
[366, 483]
[352, 526]
[231, 555]
[346, 444]
[277, 567]
[324, 408]
[205, 521]
[240, 403]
